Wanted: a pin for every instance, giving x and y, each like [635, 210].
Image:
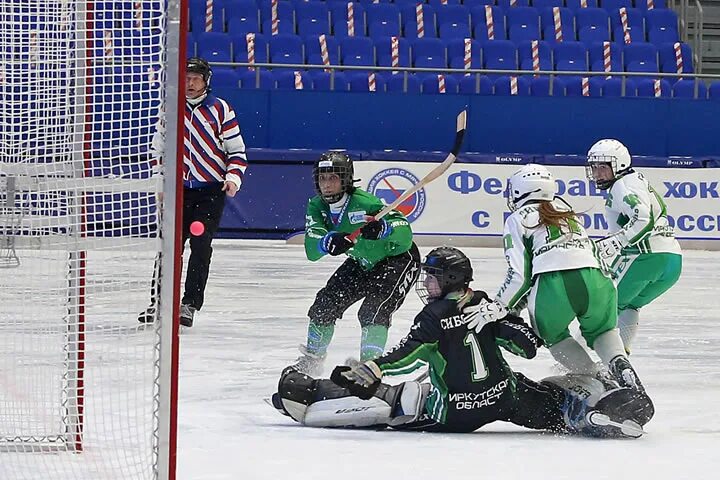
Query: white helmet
[608, 151]
[531, 182]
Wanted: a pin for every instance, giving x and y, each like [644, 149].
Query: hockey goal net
[85, 391]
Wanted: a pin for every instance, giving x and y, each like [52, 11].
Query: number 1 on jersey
[480, 371]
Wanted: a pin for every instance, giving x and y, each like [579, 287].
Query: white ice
[255, 316]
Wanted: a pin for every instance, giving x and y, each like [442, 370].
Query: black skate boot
[624, 373]
[187, 313]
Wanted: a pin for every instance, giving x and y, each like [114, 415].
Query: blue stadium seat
[567, 25]
[240, 48]
[243, 16]
[479, 22]
[439, 3]
[357, 51]
[570, 56]
[571, 86]
[383, 20]
[286, 11]
[328, 81]
[197, 16]
[409, 19]
[643, 4]
[312, 50]
[339, 15]
[611, 87]
[430, 83]
[454, 30]
[286, 49]
[614, 5]
[645, 87]
[429, 53]
[214, 46]
[383, 52]
[475, 85]
[396, 83]
[456, 53]
[360, 82]
[523, 23]
[285, 80]
[640, 53]
[477, 3]
[286, 17]
[668, 62]
[503, 86]
[662, 26]
[636, 25]
[593, 25]
[597, 57]
[313, 18]
[540, 86]
[506, 4]
[500, 55]
[544, 55]
[714, 91]
[576, 5]
[685, 88]
[547, 3]
[225, 78]
[455, 14]
[249, 79]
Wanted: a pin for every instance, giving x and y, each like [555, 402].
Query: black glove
[335, 243]
[376, 230]
[359, 379]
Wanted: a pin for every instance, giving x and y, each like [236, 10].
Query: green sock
[372, 341]
[319, 338]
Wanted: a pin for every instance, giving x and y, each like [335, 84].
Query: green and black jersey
[471, 383]
[319, 221]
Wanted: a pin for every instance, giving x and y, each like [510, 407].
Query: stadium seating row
[463, 84]
[446, 21]
[439, 53]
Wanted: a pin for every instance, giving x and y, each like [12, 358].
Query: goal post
[87, 216]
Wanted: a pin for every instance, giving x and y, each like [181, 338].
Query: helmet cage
[601, 159]
[337, 163]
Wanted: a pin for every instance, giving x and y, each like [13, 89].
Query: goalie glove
[361, 379]
[483, 313]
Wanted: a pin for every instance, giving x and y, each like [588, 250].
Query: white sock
[608, 346]
[573, 356]
[628, 324]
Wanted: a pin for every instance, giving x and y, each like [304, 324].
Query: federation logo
[390, 183]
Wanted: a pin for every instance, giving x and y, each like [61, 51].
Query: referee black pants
[203, 205]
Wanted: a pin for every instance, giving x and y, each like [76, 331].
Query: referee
[214, 163]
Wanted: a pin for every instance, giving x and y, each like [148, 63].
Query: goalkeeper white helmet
[607, 152]
[531, 183]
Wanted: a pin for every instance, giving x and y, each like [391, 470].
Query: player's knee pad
[324, 311]
[586, 387]
[410, 403]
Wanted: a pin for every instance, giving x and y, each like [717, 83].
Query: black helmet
[450, 267]
[201, 66]
[338, 163]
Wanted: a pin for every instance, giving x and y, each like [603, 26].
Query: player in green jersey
[382, 265]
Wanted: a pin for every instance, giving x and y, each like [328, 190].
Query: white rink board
[468, 203]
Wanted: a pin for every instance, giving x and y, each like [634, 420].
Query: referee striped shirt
[214, 150]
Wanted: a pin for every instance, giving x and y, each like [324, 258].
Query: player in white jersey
[641, 250]
[553, 264]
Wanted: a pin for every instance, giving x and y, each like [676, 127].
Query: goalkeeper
[470, 385]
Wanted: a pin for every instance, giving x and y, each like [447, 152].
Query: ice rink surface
[255, 317]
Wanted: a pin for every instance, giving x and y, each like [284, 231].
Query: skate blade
[628, 428]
